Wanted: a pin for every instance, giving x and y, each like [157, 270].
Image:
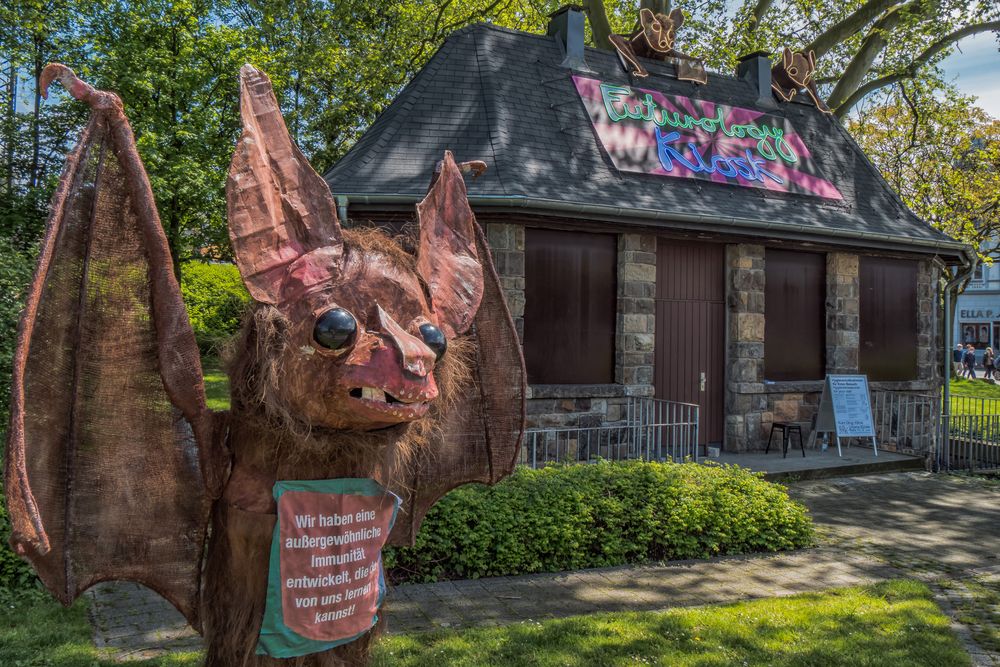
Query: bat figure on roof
[795, 72]
[654, 39]
[372, 375]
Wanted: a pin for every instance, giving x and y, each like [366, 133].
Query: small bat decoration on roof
[363, 356]
[794, 73]
[654, 39]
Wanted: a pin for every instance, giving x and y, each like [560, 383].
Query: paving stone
[935, 528]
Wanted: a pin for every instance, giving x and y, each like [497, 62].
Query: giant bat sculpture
[363, 356]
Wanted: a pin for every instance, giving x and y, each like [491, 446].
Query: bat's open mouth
[405, 406]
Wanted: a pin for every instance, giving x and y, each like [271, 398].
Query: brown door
[690, 329]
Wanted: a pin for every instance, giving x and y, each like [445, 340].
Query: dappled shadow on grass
[894, 623]
[37, 630]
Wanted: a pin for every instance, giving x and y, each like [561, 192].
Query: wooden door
[691, 330]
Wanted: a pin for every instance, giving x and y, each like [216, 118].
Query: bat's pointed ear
[279, 208]
[677, 17]
[447, 259]
[812, 59]
[786, 57]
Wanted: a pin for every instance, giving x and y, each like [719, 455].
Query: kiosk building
[711, 244]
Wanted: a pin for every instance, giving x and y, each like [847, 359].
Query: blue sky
[976, 70]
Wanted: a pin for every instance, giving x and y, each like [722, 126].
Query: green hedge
[16, 269]
[215, 299]
[570, 517]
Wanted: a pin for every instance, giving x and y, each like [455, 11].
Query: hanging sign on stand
[845, 409]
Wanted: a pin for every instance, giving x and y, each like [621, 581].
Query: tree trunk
[174, 235]
[10, 128]
[600, 27]
[36, 120]
[849, 26]
[873, 45]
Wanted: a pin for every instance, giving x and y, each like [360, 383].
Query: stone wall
[929, 335]
[507, 245]
[636, 329]
[590, 405]
[745, 402]
[753, 405]
[842, 313]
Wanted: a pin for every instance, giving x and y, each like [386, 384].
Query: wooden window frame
[794, 315]
[571, 306]
[888, 319]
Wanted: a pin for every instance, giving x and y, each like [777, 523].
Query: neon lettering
[622, 103]
[746, 166]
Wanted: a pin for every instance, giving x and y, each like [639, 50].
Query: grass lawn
[216, 383]
[965, 395]
[39, 632]
[894, 624]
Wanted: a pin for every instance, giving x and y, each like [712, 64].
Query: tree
[941, 153]
[33, 135]
[175, 64]
[338, 63]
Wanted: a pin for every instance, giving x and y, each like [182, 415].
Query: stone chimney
[567, 25]
[755, 69]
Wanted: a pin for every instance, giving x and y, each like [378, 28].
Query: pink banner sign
[649, 132]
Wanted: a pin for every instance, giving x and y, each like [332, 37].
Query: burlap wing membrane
[480, 436]
[108, 471]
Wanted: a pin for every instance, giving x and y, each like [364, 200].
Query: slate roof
[501, 96]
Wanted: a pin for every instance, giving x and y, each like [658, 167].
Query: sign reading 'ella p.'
[325, 581]
[649, 132]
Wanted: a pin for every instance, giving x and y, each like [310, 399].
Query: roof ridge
[480, 25]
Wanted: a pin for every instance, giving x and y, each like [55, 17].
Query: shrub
[569, 517]
[15, 275]
[215, 299]
[16, 269]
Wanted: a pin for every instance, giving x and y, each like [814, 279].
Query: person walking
[957, 364]
[970, 362]
[989, 363]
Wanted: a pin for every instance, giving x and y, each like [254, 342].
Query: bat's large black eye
[434, 338]
[335, 328]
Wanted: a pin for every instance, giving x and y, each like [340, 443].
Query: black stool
[786, 436]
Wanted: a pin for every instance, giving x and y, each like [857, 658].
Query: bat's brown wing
[481, 433]
[108, 470]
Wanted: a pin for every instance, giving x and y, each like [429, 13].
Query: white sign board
[845, 408]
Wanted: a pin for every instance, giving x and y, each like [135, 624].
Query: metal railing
[653, 430]
[906, 421]
[972, 405]
[969, 443]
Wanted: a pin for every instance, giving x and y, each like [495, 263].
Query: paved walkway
[943, 530]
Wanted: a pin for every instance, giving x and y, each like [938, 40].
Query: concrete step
[848, 470]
